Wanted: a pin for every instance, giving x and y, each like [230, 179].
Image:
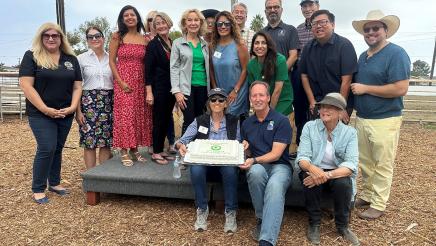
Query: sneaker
[201, 222]
[255, 234]
[313, 234]
[348, 235]
[230, 224]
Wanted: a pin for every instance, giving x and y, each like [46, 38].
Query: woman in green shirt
[189, 67]
[270, 66]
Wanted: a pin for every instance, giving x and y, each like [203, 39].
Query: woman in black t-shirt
[52, 83]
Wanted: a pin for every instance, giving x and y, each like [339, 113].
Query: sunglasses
[374, 29]
[223, 24]
[219, 99]
[47, 36]
[95, 36]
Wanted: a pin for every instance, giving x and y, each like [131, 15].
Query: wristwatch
[254, 160]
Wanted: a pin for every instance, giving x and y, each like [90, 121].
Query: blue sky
[21, 18]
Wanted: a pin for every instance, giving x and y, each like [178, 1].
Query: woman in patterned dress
[95, 112]
[132, 116]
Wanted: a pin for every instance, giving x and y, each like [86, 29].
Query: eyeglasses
[149, 19]
[275, 7]
[223, 24]
[47, 36]
[374, 29]
[95, 36]
[219, 99]
[321, 23]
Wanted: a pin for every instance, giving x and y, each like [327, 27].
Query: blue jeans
[268, 184]
[50, 135]
[230, 185]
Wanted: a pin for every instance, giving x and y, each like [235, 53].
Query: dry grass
[130, 220]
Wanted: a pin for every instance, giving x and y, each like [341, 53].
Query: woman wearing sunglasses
[229, 63]
[95, 112]
[215, 125]
[270, 66]
[52, 83]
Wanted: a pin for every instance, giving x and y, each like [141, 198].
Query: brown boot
[370, 214]
[360, 203]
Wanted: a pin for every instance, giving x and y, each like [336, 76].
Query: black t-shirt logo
[68, 65]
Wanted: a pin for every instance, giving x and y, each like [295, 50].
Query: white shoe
[230, 225]
[201, 222]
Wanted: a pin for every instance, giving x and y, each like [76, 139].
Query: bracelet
[254, 160]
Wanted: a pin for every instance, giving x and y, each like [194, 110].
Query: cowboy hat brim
[392, 23]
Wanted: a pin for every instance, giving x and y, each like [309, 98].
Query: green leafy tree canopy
[420, 69]
[77, 37]
[257, 23]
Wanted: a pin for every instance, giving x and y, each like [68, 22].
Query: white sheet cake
[215, 152]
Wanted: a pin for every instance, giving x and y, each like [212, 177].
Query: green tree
[174, 34]
[257, 23]
[77, 37]
[2, 67]
[420, 69]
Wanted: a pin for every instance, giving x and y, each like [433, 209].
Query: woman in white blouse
[95, 112]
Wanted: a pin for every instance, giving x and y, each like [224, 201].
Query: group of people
[306, 79]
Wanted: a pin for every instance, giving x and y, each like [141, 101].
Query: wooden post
[92, 198]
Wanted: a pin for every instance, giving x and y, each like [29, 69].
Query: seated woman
[214, 125]
[328, 157]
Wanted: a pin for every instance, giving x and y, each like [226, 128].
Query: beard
[273, 18]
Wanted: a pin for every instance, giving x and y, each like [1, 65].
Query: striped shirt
[247, 35]
[220, 134]
[96, 74]
[305, 34]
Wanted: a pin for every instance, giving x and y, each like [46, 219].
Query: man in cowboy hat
[381, 82]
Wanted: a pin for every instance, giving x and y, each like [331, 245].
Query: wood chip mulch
[130, 220]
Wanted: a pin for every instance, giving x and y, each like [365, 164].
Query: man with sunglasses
[327, 63]
[266, 137]
[381, 82]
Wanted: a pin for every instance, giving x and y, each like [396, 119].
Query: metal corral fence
[420, 102]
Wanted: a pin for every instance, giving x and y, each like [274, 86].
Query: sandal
[159, 160]
[126, 161]
[139, 157]
[167, 157]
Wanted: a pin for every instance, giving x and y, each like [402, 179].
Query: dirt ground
[130, 220]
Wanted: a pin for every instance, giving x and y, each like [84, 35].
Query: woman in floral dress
[132, 115]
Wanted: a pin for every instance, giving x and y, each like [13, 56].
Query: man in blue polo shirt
[381, 83]
[266, 137]
[327, 63]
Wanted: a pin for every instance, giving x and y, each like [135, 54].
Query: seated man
[266, 136]
[328, 158]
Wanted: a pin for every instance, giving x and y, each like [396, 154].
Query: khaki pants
[378, 141]
[293, 146]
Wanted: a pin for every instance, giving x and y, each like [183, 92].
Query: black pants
[340, 189]
[194, 105]
[162, 115]
[300, 103]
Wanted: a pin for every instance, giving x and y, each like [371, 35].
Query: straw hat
[391, 21]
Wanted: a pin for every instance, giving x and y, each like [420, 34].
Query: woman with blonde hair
[189, 66]
[52, 83]
[158, 82]
[229, 63]
[148, 24]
